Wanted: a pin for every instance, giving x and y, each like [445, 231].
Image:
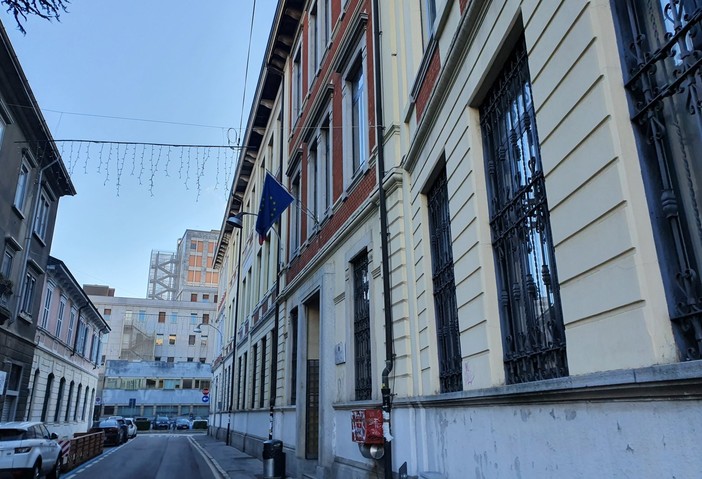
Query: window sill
[18, 212]
[25, 316]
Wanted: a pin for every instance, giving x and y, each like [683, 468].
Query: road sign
[205, 391]
[205, 399]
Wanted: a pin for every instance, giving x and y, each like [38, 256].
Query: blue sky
[164, 61]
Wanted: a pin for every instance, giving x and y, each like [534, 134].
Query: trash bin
[273, 459]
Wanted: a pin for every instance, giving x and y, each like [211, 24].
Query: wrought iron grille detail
[312, 423]
[447, 330]
[530, 307]
[662, 50]
[361, 328]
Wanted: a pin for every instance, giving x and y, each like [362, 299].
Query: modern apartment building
[529, 167]
[69, 341]
[34, 179]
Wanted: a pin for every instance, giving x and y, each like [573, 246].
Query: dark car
[161, 422]
[182, 423]
[114, 434]
[123, 425]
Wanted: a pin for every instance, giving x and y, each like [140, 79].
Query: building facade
[541, 206]
[69, 347]
[34, 179]
[156, 330]
[187, 274]
[155, 388]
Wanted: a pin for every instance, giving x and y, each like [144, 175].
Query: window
[361, 328]
[314, 42]
[359, 121]
[107, 314]
[68, 401]
[47, 397]
[293, 357]
[158, 358]
[254, 372]
[205, 318]
[22, 185]
[297, 85]
[187, 383]
[174, 317]
[295, 214]
[161, 316]
[170, 359]
[193, 297]
[262, 381]
[445, 307]
[326, 26]
[193, 318]
[313, 189]
[6, 268]
[191, 340]
[47, 306]
[171, 339]
[203, 360]
[428, 17]
[159, 339]
[59, 318]
[190, 360]
[142, 316]
[532, 321]
[41, 221]
[59, 398]
[662, 84]
[9, 407]
[205, 298]
[71, 324]
[28, 294]
[75, 411]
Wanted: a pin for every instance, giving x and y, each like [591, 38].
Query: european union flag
[274, 199]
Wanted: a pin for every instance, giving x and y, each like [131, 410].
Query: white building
[156, 388]
[69, 347]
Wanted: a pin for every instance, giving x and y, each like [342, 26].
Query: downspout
[384, 247]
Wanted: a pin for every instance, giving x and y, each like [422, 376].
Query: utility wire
[246, 72]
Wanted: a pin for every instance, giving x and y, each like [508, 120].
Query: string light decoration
[112, 156]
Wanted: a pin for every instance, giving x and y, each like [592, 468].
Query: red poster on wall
[367, 426]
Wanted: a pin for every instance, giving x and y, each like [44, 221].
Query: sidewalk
[231, 462]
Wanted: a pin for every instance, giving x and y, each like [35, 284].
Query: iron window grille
[530, 307]
[361, 328]
[443, 280]
[661, 43]
[312, 410]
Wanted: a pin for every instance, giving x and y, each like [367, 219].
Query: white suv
[29, 447]
[131, 427]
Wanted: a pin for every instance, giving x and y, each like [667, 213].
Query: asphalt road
[148, 456]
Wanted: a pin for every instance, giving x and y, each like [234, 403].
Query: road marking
[91, 462]
[216, 469]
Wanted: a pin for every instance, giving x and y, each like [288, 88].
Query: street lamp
[198, 330]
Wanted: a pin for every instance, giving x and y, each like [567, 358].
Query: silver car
[29, 447]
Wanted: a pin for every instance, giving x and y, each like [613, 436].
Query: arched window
[75, 410]
[59, 399]
[68, 401]
[47, 396]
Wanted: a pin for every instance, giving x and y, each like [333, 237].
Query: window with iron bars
[661, 51]
[361, 328]
[530, 307]
[446, 310]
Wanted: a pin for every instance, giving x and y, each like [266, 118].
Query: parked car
[161, 422]
[29, 448]
[114, 433]
[123, 425]
[182, 423]
[131, 427]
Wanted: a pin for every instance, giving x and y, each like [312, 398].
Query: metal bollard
[273, 459]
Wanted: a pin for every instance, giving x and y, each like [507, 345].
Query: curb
[212, 460]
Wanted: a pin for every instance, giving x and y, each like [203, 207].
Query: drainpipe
[384, 247]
